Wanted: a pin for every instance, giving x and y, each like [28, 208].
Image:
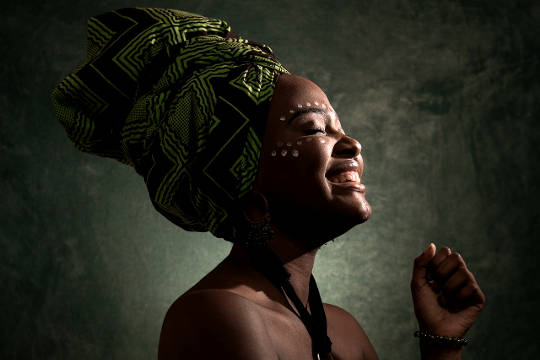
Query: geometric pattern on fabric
[183, 100]
[244, 169]
[250, 82]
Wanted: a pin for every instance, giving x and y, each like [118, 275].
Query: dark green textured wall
[443, 96]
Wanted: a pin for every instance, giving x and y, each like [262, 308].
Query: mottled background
[443, 95]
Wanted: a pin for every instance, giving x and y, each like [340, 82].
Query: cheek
[286, 149]
[302, 160]
[294, 171]
[300, 149]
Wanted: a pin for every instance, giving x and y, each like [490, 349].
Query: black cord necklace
[269, 264]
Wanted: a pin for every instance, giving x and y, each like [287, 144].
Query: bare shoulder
[349, 340]
[211, 324]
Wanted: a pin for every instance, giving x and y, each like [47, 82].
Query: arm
[447, 300]
[214, 325]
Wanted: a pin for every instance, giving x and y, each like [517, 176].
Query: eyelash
[314, 131]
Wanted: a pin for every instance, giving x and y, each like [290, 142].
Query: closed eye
[313, 131]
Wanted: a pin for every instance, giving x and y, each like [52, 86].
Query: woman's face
[310, 170]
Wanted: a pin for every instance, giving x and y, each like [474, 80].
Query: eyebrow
[305, 111]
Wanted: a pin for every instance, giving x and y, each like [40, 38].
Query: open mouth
[347, 180]
[345, 177]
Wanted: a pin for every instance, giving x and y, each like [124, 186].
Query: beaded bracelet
[441, 339]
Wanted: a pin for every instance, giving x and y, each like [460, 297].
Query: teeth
[348, 176]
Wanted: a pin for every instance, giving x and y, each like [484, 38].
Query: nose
[347, 147]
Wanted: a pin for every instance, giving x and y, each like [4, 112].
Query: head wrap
[182, 99]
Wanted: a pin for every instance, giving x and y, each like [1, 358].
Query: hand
[447, 299]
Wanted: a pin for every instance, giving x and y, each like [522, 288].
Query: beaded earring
[257, 233]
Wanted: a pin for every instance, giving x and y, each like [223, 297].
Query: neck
[297, 258]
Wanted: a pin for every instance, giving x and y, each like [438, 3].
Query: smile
[349, 180]
[347, 176]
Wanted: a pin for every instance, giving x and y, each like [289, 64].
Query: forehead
[294, 93]
[292, 90]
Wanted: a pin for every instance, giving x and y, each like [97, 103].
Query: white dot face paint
[289, 144]
[316, 103]
[291, 111]
[323, 106]
[299, 105]
[282, 118]
[295, 153]
[308, 104]
[283, 152]
[273, 153]
[322, 141]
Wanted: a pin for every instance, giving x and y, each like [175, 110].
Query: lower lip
[350, 185]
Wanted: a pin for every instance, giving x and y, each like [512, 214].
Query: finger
[449, 266]
[439, 257]
[419, 268]
[457, 281]
[468, 295]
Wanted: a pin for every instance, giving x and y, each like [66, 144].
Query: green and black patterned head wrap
[183, 100]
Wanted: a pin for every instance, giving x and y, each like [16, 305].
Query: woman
[229, 142]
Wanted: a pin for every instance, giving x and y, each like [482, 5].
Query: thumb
[420, 265]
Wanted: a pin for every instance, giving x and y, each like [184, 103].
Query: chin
[353, 212]
[365, 213]
[345, 221]
[321, 221]
[334, 224]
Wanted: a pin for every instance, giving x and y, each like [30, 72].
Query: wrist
[441, 339]
[439, 347]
